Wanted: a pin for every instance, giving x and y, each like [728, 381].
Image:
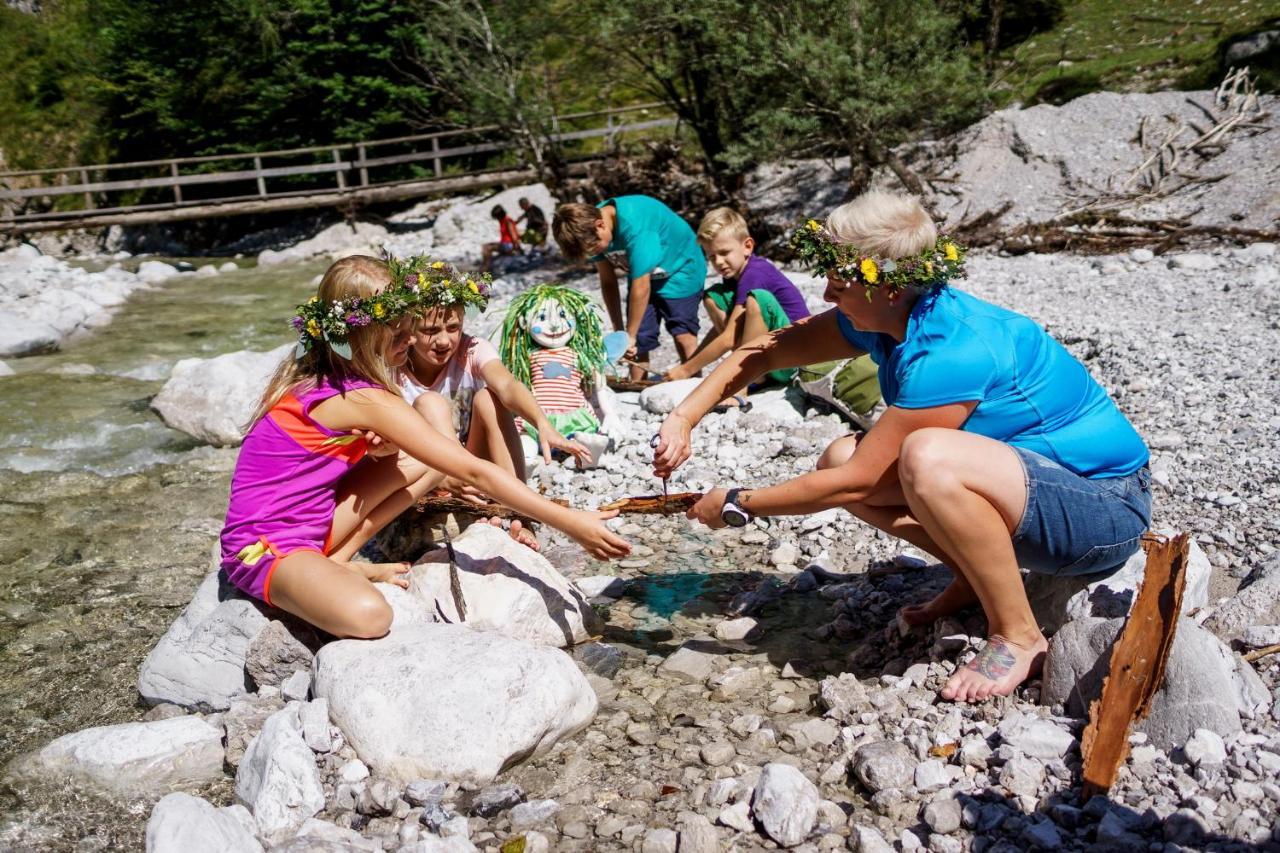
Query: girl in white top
[476, 398]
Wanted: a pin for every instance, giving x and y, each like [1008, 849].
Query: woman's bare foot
[997, 670]
[518, 531]
[956, 597]
[396, 573]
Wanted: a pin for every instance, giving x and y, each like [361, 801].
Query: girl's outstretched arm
[392, 418]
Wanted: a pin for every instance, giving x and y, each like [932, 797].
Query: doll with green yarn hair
[553, 342]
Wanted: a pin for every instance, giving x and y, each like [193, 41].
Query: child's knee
[435, 408]
[752, 306]
[369, 616]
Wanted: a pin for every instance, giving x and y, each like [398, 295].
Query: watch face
[733, 516]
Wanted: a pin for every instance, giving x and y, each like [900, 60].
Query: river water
[107, 518]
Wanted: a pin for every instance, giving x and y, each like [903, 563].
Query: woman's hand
[588, 530]
[464, 491]
[708, 508]
[549, 438]
[673, 445]
[378, 446]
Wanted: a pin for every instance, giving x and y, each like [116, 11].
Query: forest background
[92, 81]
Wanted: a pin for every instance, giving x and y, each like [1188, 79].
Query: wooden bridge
[346, 175]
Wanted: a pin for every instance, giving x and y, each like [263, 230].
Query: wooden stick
[1257, 654]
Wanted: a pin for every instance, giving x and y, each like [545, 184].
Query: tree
[858, 77]
[487, 64]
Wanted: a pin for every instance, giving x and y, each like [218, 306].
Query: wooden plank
[1137, 664]
[177, 180]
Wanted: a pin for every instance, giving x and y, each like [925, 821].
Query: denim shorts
[1073, 525]
[679, 315]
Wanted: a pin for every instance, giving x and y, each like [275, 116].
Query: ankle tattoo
[994, 661]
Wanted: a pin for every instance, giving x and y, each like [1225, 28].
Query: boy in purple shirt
[754, 298]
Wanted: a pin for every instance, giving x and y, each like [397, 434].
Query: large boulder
[506, 587]
[662, 398]
[1256, 603]
[181, 823]
[336, 241]
[437, 701]
[25, 336]
[135, 759]
[212, 399]
[463, 227]
[199, 663]
[1058, 600]
[278, 779]
[1206, 685]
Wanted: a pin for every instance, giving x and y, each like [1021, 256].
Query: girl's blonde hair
[353, 277]
[884, 225]
[722, 220]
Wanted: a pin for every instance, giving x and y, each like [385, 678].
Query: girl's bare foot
[396, 573]
[999, 668]
[519, 532]
[956, 597]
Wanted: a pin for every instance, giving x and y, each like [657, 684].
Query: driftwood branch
[655, 504]
[1258, 654]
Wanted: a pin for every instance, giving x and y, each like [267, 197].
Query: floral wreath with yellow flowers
[438, 283]
[938, 264]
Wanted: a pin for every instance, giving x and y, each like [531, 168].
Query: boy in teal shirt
[658, 253]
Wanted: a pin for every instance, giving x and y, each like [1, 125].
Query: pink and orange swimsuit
[283, 489]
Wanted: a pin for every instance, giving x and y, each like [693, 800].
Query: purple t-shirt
[759, 274]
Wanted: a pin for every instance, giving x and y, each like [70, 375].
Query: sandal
[744, 405]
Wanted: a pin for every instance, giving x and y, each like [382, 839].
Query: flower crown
[938, 264]
[417, 283]
[438, 283]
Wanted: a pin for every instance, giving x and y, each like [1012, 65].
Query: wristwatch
[732, 514]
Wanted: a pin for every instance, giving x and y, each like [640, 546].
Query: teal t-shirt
[1031, 392]
[649, 238]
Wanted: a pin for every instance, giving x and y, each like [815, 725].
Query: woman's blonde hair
[884, 225]
[722, 220]
[353, 277]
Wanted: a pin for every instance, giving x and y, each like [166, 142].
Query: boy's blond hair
[883, 224]
[574, 227]
[722, 220]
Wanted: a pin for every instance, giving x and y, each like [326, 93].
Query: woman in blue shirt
[997, 449]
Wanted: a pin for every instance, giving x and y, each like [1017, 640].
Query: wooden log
[1137, 665]
[655, 504]
[447, 503]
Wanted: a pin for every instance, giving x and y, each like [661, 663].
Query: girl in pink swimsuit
[310, 486]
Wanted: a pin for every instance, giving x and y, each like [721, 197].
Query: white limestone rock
[662, 398]
[212, 399]
[152, 271]
[181, 823]
[22, 336]
[135, 759]
[785, 803]
[336, 241]
[439, 701]
[278, 779]
[199, 663]
[507, 588]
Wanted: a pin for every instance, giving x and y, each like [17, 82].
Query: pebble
[1205, 748]
[943, 816]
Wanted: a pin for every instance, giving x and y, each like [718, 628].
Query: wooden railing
[360, 173]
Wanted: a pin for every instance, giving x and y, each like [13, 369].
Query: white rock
[207, 270]
[785, 803]
[737, 816]
[152, 271]
[601, 586]
[867, 839]
[436, 844]
[135, 759]
[1205, 748]
[228, 266]
[296, 687]
[181, 823]
[445, 701]
[199, 662]
[212, 399]
[1193, 261]
[5, 369]
[785, 554]
[1258, 636]
[931, 775]
[336, 241]
[662, 398]
[319, 832]
[314, 718]
[506, 587]
[1035, 736]
[21, 336]
[278, 779]
[1143, 256]
[735, 629]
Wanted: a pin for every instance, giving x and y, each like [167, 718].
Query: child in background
[657, 252]
[754, 297]
[310, 486]
[475, 396]
[535, 225]
[508, 239]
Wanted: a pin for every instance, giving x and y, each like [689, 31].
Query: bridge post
[364, 172]
[342, 178]
[177, 188]
[435, 146]
[262, 182]
[88, 196]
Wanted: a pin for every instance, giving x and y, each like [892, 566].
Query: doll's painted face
[550, 325]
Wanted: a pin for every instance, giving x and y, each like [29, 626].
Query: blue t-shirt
[760, 274]
[1031, 392]
[649, 238]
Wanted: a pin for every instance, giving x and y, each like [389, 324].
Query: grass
[1142, 45]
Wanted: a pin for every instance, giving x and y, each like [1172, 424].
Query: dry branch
[1137, 664]
[655, 504]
